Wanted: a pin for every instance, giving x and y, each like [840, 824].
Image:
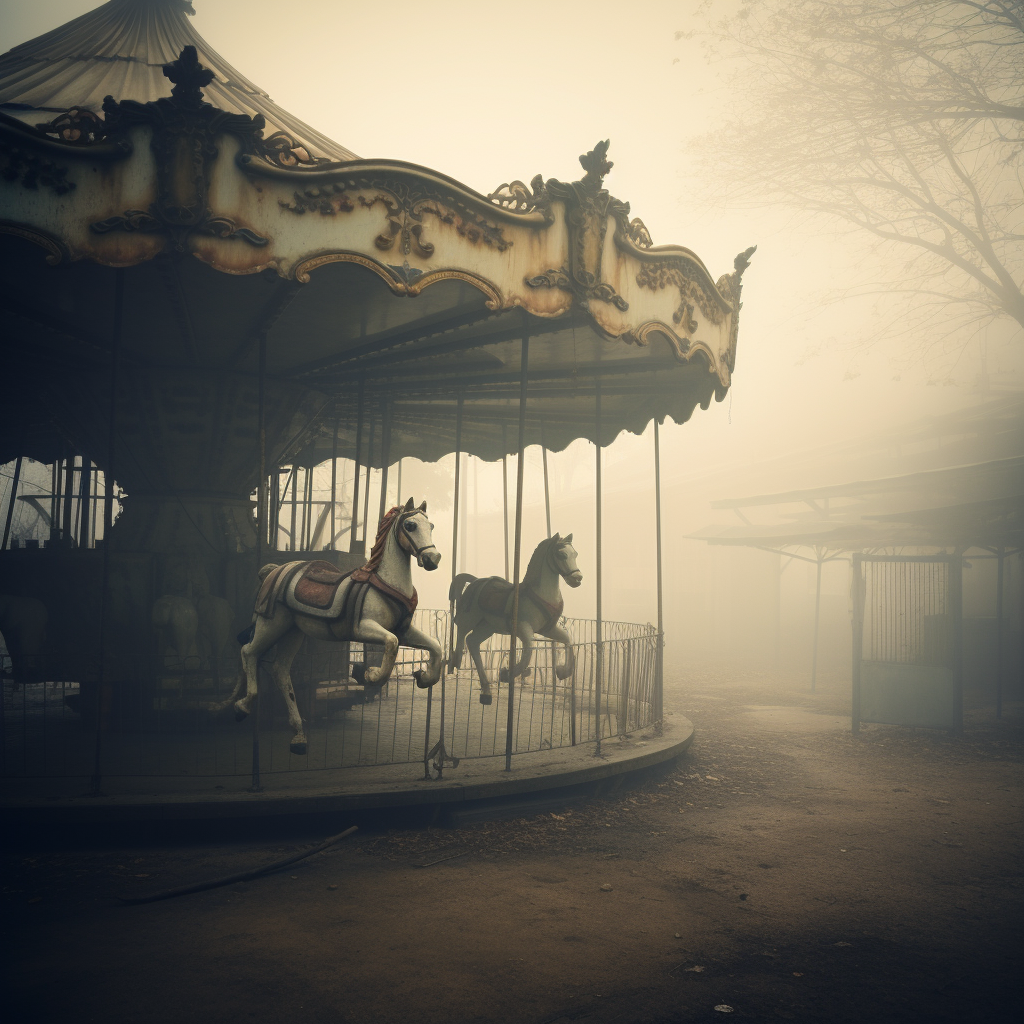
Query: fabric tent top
[119, 50]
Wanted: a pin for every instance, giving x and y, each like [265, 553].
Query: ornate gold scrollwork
[515, 197]
[76, 126]
[693, 291]
[405, 203]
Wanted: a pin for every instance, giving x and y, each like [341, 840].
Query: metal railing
[131, 734]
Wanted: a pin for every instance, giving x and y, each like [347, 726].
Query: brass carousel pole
[523, 371]
[547, 492]
[385, 455]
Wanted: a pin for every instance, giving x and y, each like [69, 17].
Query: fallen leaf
[606, 887]
[724, 1008]
[696, 970]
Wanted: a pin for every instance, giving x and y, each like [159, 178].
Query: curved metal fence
[162, 723]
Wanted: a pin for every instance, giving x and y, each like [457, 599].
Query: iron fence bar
[523, 374]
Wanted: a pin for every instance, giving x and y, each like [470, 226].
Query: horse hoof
[359, 672]
[240, 715]
[418, 676]
[297, 748]
[485, 698]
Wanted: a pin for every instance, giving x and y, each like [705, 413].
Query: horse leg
[522, 667]
[473, 642]
[265, 635]
[560, 636]
[414, 637]
[369, 631]
[287, 647]
[455, 661]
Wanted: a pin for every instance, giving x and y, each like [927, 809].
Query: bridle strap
[417, 551]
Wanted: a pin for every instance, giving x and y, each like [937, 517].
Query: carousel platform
[477, 787]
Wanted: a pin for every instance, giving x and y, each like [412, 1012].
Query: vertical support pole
[956, 603]
[1000, 554]
[295, 506]
[598, 635]
[455, 536]
[85, 492]
[10, 504]
[261, 525]
[523, 376]
[440, 750]
[354, 536]
[857, 586]
[274, 511]
[817, 617]
[69, 490]
[334, 484]
[108, 522]
[54, 502]
[504, 493]
[366, 489]
[385, 456]
[547, 490]
[659, 657]
[398, 484]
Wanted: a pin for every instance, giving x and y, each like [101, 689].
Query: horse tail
[459, 584]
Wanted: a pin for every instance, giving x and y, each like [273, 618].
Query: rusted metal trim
[57, 251]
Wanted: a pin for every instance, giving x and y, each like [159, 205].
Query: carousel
[204, 300]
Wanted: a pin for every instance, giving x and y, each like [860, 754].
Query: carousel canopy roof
[119, 50]
[386, 294]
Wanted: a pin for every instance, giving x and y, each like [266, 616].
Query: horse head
[563, 557]
[415, 533]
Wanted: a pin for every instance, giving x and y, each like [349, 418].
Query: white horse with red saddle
[372, 605]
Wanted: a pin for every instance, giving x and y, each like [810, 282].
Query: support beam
[598, 634]
[523, 377]
[999, 633]
[261, 525]
[385, 456]
[817, 617]
[547, 490]
[108, 522]
[659, 664]
[334, 481]
[10, 504]
[354, 536]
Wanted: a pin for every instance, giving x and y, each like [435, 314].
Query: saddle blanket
[313, 588]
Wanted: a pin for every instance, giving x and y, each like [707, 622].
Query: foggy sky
[491, 93]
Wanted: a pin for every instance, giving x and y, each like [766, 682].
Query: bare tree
[902, 118]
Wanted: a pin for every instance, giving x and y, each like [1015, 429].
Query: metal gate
[907, 641]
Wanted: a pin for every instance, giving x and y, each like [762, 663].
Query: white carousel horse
[372, 605]
[485, 607]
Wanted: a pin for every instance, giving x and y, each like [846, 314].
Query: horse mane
[377, 551]
[537, 560]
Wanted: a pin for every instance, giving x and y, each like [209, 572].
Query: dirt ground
[782, 870]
